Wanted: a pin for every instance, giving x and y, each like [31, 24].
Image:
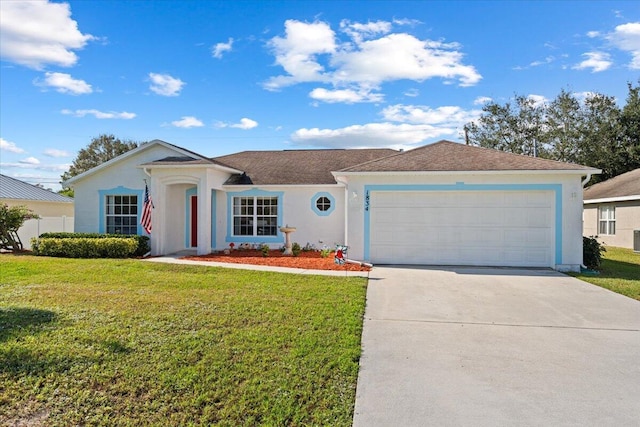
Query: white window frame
[607, 220]
[125, 211]
[259, 217]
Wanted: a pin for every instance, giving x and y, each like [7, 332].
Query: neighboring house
[55, 210]
[612, 210]
[444, 203]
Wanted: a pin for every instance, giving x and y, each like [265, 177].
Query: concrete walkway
[496, 347]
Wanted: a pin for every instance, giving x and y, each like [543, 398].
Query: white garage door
[492, 228]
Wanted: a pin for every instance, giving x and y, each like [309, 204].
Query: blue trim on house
[461, 186]
[119, 191]
[314, 200]
[254, 192]
[187, 215]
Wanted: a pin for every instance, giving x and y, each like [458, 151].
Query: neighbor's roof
[296, 167]
[11, 188]
[625, 186]
[453, 156]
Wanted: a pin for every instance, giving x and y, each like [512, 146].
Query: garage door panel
[462, 228]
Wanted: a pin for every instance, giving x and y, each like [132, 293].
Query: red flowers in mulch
[309, 260]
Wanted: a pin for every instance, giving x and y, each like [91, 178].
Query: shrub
[82, 247]
[325, 252]
[295, 248]
[264, 248]
[142, 242]
[592, 251]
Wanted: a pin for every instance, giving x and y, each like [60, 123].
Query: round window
[323, 204]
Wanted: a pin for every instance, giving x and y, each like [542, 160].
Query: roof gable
[453, 156]
[180, 152]
[11, 188]
[296, 167]
[625, 185]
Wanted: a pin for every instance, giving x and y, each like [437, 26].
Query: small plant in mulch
[296, 249]
[325, 252]
[264, 248]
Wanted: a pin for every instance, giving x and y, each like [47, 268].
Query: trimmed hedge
[90, 245]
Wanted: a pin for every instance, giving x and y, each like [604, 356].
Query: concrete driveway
[496, 347]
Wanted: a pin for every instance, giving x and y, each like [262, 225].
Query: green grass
[619, 272]
[125, 342]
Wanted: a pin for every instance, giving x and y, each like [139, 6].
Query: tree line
[594, 131]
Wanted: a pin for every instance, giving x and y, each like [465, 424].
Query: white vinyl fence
[47, 224]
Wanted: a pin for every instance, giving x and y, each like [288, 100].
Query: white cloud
[596, 61]
[165, 85]
[446, 116]
[30, 161]
[481, 100]
[54, 152]
[348, 96]
[99, 114]
[538, 100]
[10, 146]
[64, 83]
[187, 122]
[413, 92]
[372, 56]
[388, 135]
[405, 126]
[297, 51]
[220, 48]
[593, 34]
[245, 124]
[36, 166]
[626, 37]
[36, 33]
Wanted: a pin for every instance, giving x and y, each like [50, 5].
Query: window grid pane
[122, 214]
[255, 216]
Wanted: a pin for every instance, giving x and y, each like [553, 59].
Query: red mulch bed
[310, 260]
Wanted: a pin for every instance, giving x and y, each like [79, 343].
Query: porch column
[204, 217]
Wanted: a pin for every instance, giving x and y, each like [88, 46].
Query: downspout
[587, 179]
[346, 209]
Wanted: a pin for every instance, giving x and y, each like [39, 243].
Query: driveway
[496, 347]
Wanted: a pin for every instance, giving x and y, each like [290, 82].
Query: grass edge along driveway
[130, 343]
[619, 272]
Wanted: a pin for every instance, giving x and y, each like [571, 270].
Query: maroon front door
[194, 221]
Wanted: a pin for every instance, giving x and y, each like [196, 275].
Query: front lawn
[125, 342]
[619, 272]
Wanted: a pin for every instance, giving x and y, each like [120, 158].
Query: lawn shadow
[18, 320]
[620, 270]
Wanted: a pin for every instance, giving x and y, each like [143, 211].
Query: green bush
[592, 251]
[295, 248]
[142, 242]
[264, 248]
[82, 247]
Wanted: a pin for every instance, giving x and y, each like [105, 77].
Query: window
[255, 216]
[607, 220]
[122, 214]
[323, 204]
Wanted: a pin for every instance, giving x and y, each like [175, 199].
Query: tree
[595, 132]
[101, 149]
[514, 128]
[11, 219]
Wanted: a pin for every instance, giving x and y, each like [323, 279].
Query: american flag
[145, 221]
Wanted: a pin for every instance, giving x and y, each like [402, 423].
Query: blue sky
[221, 77]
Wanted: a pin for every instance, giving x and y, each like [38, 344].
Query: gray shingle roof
[625, 185]
[11, 188]
[453, 156]
[298, 167]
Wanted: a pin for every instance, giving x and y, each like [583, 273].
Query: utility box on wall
[636, 240]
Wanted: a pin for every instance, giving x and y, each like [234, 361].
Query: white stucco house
[442, 204]
[612, 211]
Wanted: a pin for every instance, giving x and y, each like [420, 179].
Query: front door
[194, 221]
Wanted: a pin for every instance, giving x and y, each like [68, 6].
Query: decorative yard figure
[341, 251]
